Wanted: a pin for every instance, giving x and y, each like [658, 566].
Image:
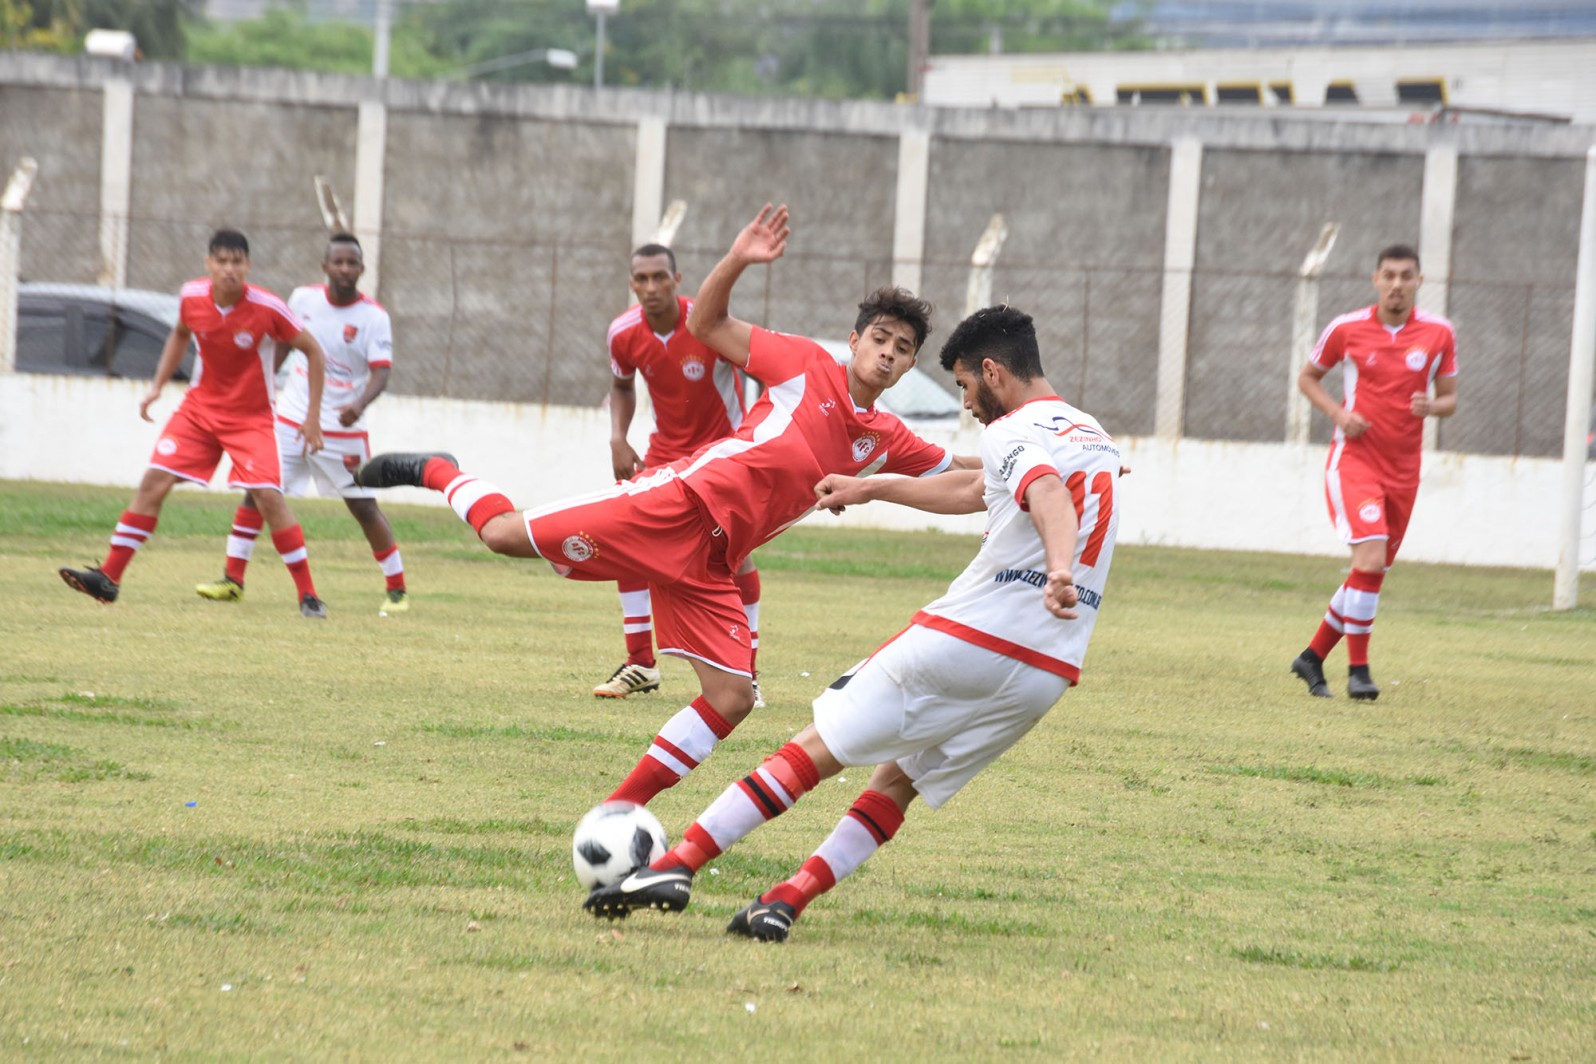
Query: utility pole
[919, 45]
[381, 33]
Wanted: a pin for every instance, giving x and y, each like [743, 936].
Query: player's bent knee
[506, 534]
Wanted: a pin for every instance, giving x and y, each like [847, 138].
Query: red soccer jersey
[697, 395]
[1381, 369]
[762, 478]
[233, 375]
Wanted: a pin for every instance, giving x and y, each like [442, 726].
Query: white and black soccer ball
[614, 840]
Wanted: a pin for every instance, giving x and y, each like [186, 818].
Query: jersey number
[1103, 488]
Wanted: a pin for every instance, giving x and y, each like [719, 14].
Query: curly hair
[896, 304]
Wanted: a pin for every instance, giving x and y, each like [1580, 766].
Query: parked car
[95, 331]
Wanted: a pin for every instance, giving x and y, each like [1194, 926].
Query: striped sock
[1362, 603]
[685, 740]
[870, 823]
[476, 501]
[393, 567]
[637, 622]
[132, 532]
[247, 523]
[762, 795]
[290, 543]
[1333, 625]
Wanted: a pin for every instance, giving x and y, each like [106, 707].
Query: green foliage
[156, 24]
[286, 37]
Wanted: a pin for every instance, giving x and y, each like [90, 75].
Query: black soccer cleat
[1310, 670]
[1359, 685]
[668, 890]
[312, 608]
[395, 469]
[767, 921]
[92, 583]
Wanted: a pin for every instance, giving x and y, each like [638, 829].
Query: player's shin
[247, 524]
[685, 740]
[132, 532]
[762, 795]
[871, 822]
[475, 501]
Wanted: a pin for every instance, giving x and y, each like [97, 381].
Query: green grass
[229, 833]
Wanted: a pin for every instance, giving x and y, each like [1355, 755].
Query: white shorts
[940, 707]
[332, 467]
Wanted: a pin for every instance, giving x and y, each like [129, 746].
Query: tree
[157, 25]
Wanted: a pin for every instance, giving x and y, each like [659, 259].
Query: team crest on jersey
[579, 548]
[1416, 358]
[350, 332]
[166, 446]
[1369, 511]
[244, 340]
[864, 446]
[693, 368]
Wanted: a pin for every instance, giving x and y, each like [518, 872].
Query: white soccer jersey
[355, 338]
[997, 601]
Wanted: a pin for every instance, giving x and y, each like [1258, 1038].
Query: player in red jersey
[1393, 356]
[697, 398]
[686, 527]
[227, 409]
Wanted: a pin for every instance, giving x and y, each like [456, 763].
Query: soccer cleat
[1310, 670]
[392, 470]
[312, 607]
[767, 921]
[224, 590]
[629, 679]
[1360, 686]
[759, 696]
[92, 583]
[395, 602]
[668, 890]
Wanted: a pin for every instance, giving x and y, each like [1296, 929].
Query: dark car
[91, 330]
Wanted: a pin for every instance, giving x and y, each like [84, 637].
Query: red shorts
[192, 444]
[651, 528]
[1363, 506]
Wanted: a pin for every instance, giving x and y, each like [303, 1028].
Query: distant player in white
[974, 671]
[357, 335]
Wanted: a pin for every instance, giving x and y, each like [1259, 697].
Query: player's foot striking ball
[224, 590]
[1310, 670]
[92, 583]
[629, 679]
[668, 890]
[1359, 685]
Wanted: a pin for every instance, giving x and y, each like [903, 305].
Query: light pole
[601, 9]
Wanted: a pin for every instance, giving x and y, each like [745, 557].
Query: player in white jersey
[974, 671]
[357, 335]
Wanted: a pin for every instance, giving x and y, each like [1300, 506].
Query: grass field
[228, 832]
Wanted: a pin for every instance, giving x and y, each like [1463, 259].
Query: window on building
[1422, 90]
[1282, 92]
[1340, 92]
[1163, 94]
[1239, 93]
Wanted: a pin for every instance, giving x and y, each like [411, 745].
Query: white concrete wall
[1472, 510]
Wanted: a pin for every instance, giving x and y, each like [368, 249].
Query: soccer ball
[614, 840]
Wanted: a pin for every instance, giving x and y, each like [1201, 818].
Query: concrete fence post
[1435, 244]
[1304, 331]
[1180, 256]
[371, 150]
[11, 204]
[116, 181]
[1581, 355]
[908, 224]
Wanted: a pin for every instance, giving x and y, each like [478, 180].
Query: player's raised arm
[762, 240]
[956, 492]
[1053, 514]
[310, 431]
[171, 354]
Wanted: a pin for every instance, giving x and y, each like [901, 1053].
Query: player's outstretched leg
[872, 821]
[762, 795]
[476, 502]
[396, 469]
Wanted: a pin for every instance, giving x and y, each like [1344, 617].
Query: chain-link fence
[525, 322]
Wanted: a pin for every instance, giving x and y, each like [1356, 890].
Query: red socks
[132, 532]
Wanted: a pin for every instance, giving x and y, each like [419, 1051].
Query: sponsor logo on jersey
[244, 340]
[693, 368]
[1025, 576]
[1087, 597]
[827, 406]
[734, 630]
[1369, 511]
[864, 446]
[1006, 467]
[1416, 359]
[350, 332]
[166, 446]
[580, 547]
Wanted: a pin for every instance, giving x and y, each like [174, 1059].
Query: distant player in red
[227, 409]
[686, 527]
[698, 399]
[1393, 356]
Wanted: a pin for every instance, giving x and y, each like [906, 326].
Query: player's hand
[1352, 424]
[1059, 595]
[765, 238]
[311, 434]
[1420, 404]
[1124, 470]
[144, 405]
[624, 461]
[348, 415]
[836, 492]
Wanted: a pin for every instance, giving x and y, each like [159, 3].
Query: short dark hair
[648, 251]
[896, 304]
[1397, 251]
[228, 240]
[1003, 334]
[346, 238]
